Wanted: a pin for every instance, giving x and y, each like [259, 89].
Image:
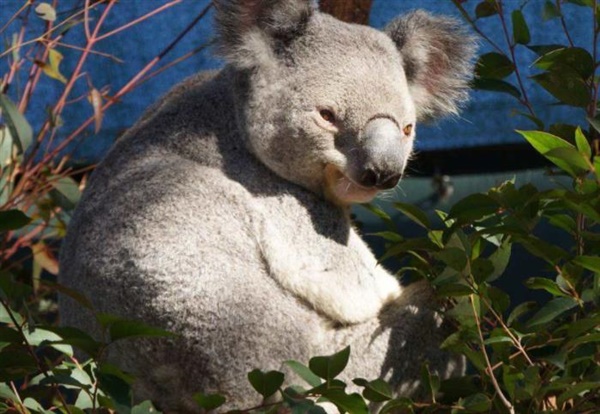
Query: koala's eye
[327, 115]
[408, 129]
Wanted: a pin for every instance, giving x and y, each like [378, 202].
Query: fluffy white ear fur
[437, 53]
[249, 31]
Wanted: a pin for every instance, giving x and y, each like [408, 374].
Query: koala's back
[162, 234]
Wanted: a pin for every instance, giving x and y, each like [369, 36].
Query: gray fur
[437, 54]
[222, 215]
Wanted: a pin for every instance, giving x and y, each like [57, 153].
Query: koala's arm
[352, 292]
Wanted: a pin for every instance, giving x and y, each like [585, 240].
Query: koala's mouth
[343, 190]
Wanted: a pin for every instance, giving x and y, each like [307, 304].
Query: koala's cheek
[343, 191]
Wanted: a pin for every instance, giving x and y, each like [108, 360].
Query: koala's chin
[343, 191]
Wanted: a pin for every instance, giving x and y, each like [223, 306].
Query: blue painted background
[488, 120]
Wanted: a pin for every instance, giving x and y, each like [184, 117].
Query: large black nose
[383, 180]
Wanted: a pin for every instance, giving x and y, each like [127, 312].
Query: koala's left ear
[437, 53]
[251, 32]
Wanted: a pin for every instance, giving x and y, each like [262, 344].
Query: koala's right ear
[252, 32]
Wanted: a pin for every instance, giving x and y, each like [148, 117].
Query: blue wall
[488, 120]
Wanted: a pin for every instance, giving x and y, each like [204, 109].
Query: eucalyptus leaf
[304, 372]
[485, 8]
[20, 130]
[123, 329]
[414, 213]
[551, 310]
[566, 86]
[589, 262]
[266, 383]
[329, 367]
[347, 403]
[494, 65]
[582, 143]
[495, 85]
[550, 11]
[548, 285]
[209, 401]
[521, 33]
[13, 220]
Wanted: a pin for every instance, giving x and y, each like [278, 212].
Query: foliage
[39, 187]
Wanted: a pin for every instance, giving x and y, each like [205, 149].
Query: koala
[223, 214]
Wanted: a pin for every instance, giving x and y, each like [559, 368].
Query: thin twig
[564, 23]
[501, 395]
[139, 19]
[40, 365]
[511, 46]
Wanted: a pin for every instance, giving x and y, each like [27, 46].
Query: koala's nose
[380, 179]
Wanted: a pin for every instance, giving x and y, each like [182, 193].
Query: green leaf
[32, 404]
[304, 372]
[573, 60]
[410, 245]
[388, 235]
[414, 213]
[454, 257]
[550, 11]
[542, 249]
[381, 214]
[16, 364]
[376, 391]
[588, 262]
[521, 33]
[498, 339]
[353, 403]
[570, 156]
[595, 123]
[566, 86]
[431, 382]
[582, 143]
[39, 337]
[473, 207]
[520, 310]
[494, 65]
[6, 393]
[266, 383]
[13, 220]
[577, 389]
[500, 259]
[66, 192]
[485, 8]
[145, 407]
[397, 405]
[583, 3]
[209, 401]
[6, 149]
[544, 142]
[122, 329]
[453, 290]
[20, 129]
[552, 310]
[477, 403]
[329, 367]
[548, 285]
[481, 268]
[495, 85]
[584, 339]
[583, 326]
[77, 338]
[542, 50]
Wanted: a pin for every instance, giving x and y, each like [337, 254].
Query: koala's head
[334, 106]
